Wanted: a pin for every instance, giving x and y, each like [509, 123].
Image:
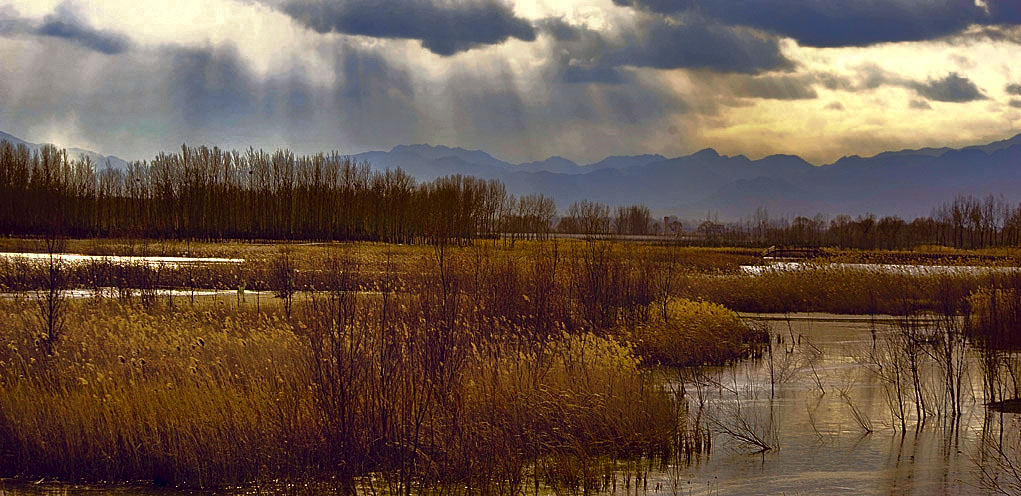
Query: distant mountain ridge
[98, 159]
[908, 183]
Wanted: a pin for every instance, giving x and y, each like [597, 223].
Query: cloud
[835, 23]
[9, 21]
[776, 87]
[600, 75]
[592, 81]
[1007, 33]
[1004, 11]
[166, 95]
[488, 111]
[444, 28]
[1013, 89]
[210, 86]
[1016, 103]
[64, 24]
[952, 88]
[698, 45]
[559, 29]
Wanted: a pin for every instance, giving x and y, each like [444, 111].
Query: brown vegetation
[454, 366]
[694, 333]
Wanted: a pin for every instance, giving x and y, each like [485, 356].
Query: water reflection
[827, 424]
[907, 269]
[75, 258]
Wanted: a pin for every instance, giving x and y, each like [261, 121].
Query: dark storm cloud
[445, 28]
[586, 55]
[698, 45]
[920, 105]
[834, 23]
[1004, 11]
[952, 88]
[1014, 89]
[66, 26]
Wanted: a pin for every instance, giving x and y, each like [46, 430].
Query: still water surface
[75, 258]
[820, 447]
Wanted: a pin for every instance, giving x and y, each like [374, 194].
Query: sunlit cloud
[523, 79]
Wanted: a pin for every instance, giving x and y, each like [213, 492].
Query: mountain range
[908, 183]
[96, 158]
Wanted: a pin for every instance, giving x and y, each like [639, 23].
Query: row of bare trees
[211, 193]
[216, 194]
[587, 217]
[966, 222]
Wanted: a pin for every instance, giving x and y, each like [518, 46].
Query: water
[905, 269]
[75, 258]
[817, 445]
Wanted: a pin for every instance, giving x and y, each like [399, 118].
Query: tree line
[209, 193]
[965, 222]
[216, 194]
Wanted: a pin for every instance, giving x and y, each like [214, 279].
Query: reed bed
[258, 259]
[383, 368]
[833, 289]
[691, 333]
[995, 312]
[470, 367]
[213, 397]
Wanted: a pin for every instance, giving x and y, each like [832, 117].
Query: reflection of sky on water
[73, 258]
[822, 449]
[779, 266]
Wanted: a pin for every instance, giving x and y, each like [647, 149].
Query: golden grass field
[390, 368]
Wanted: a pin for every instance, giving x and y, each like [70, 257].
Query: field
[493, 366]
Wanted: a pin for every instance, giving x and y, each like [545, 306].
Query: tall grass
[397, 369]
[694, 333]
[211, 396]
[835, 289]
[996, 312]
[995, 324]
[467, 367]
[191, 398]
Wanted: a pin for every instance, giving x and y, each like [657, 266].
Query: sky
[522, 79]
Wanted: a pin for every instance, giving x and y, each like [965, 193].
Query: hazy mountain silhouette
[98, 159]
[908, 183]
